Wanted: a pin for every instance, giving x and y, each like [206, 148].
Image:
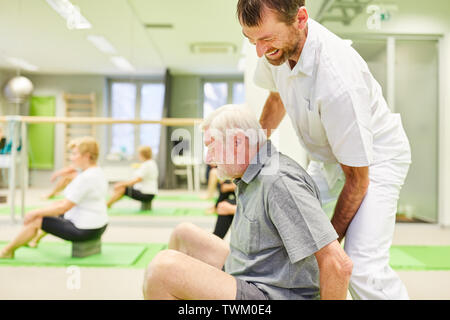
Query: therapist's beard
[289, 51]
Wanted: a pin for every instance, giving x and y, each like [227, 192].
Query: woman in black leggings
[225, 208]
[82, 214]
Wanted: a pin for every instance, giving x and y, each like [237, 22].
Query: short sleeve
[77, 189]
[296, 212]
[347, 122]
[263, 75]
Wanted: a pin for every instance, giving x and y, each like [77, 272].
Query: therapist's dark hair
[249, 12]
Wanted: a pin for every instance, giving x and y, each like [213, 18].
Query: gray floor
[124, 283]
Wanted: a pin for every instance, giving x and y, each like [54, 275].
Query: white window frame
[137, 109]
[224, 79]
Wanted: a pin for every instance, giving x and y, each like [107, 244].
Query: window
[216, 93]
[123, 107]
[219, 92]
[130, 100]
[152, 104]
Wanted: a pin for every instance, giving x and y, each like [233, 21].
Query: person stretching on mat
[144, 186]
[82, 214]
[66, 175]
[282, 244]
[225, 207]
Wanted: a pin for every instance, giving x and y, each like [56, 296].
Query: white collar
[306, 61]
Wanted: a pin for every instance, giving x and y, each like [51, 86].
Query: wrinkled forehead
[216, 136]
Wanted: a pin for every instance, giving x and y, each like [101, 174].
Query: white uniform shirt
[148, 172]
[88, 191]
[335, 105]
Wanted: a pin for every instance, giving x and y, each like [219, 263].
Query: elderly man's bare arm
[335, 269]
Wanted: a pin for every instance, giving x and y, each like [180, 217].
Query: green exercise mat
[420, 257]
[138, 255]
[149, 254]
[59, 254]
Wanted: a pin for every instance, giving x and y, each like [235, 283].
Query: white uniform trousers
[369, 235]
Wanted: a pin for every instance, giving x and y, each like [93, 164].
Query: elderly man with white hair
[282, 245]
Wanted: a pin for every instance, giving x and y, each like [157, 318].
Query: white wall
[57, 85]
[284, 138]
[430, 18]
[444, 131]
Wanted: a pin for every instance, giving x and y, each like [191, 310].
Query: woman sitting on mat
[144, 185]
[82, 214]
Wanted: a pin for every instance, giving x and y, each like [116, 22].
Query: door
[416, 99]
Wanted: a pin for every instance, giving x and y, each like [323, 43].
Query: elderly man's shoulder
[280, 165]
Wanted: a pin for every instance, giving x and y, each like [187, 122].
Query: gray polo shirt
[278, 226]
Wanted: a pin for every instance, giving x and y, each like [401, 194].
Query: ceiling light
[122, 63]
[102, 44]
[20, 63]
[213, 48]
[71, 13]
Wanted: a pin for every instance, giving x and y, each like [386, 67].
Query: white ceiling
[33, 31]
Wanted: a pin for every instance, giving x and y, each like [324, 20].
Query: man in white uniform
[360, 153]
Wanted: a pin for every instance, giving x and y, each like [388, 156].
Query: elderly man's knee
[160, 271]
[162, 265]
[184, 230]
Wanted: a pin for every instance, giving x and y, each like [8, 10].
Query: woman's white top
[88, 191]
[148, 172]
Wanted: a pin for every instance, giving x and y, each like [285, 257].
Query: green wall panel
[41, 137]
